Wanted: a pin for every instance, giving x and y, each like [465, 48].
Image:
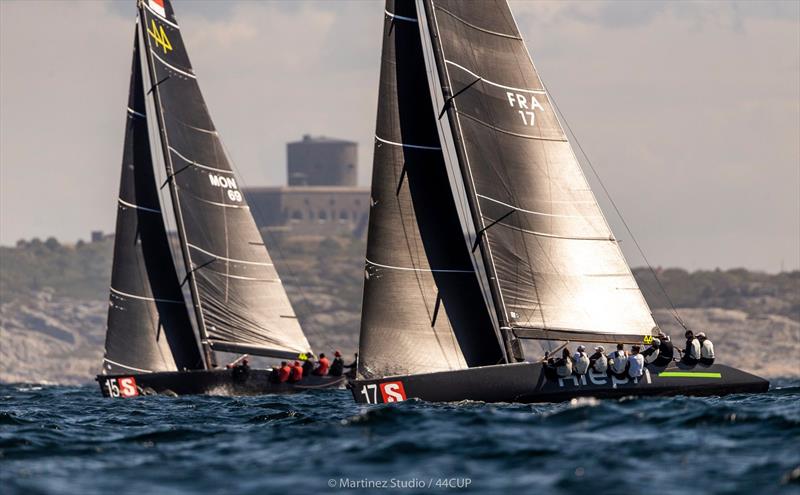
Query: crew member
[651, 353]
[598, 361]
[322, 366]
[618, 361]
[706, 349]
[564, 364]
[581, 360]
[297, 372]
[275, 375]
[337, 367]
[308, 364]
[285, 372]
[351, 368]
[635, 363]
[666, 351]
[692, 352]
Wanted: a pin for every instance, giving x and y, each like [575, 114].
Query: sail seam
[417, 269]
[151, 210]
[232, 260]
[511, 133]
[531, 211]
[144, 298]
[134, 112]
[160, 16]
[126, 366]
[191, 162]
[223, 205]
[241, 277]
[554, 236]
[172, 66]
[489, 31]
[487, 81]
[400, 17]
[403, 145]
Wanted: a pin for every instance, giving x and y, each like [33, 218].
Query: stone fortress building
[322, 197]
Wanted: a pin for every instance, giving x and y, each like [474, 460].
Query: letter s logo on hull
[127, 387]
[393, 392]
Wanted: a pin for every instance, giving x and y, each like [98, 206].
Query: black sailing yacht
[240, 305]
[483, 229]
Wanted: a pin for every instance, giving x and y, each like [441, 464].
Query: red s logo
[393, 392]
[127, 387]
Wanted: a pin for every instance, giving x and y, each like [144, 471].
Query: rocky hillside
[53, 306]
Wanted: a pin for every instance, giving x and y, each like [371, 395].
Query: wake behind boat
[484, 231]
[238, 301]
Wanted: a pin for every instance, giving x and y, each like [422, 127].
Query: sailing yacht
[154, 343]
[484, 231]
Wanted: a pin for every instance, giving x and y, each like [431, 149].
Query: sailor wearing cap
[666, 351]
[581, 360]
[598, 361]
[706, 349]
[651, 353]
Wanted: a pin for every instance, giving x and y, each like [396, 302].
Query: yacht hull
[533, 382]
[232, 382]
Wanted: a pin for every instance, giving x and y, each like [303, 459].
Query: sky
[689, 111]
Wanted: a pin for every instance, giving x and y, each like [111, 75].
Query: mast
[208, 354]
[512, 347]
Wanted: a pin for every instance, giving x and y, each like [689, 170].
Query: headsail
[148, 324]
[559, 271]
[423, 310]
[240, 303]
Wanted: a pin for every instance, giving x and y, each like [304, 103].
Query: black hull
[528, 383]
[232, 382]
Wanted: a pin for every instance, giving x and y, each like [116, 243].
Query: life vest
[581, 363]
[635, 365]
[564, 367]
[283, 374]
[322, 368]
[600, 364]
[693, 349]
[297, 373]
[707, 351]
[620, 362]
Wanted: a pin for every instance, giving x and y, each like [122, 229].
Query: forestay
[422, 309]
[148, 324]
[240, 303]
[560, 271]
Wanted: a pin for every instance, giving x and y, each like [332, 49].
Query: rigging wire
[617, 210]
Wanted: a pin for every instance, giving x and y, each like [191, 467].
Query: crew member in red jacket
[285, 372]
[322, 367]
[297, 372]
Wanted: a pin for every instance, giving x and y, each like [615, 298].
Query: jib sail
[422, 309]
[148, 324]
[239, 301]
[555, 268]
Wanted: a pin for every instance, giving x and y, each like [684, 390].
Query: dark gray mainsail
[423, 310]
[555, 269]
[148, 324]
[240, 304]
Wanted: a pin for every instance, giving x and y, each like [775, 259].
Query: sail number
[390, 392]
[122, 387]
[158, 34]
[228, 183]
[526, 105]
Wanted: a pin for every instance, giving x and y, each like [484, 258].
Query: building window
[297, 215]
[343, 216]
[323, 216]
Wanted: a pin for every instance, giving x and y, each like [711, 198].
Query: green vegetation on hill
[326, 275]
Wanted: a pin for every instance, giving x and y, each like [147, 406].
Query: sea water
[69, 440]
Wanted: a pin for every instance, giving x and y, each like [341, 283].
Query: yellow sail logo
[158, 34]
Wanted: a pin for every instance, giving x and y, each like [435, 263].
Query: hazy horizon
[689, 111]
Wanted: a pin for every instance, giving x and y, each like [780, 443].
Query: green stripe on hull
[689, 374]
